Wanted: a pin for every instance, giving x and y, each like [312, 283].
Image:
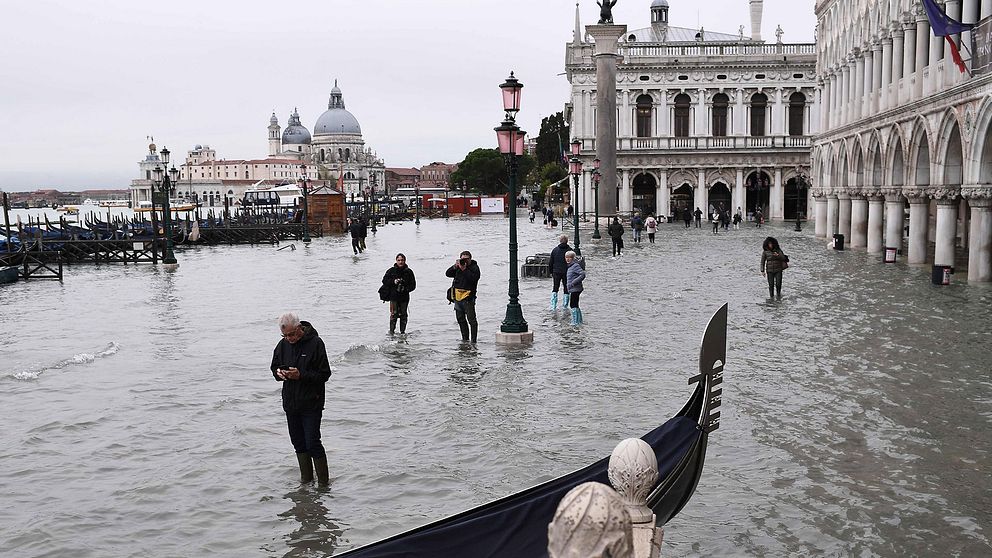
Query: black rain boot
[464, 328]
[306, 467]
[402, 325]
[392, 326]
[475, 332]
[320, 465]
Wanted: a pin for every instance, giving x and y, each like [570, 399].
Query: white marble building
[904, 132]
[704, 118]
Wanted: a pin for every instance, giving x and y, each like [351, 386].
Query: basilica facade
[904, 158]
[705, 119]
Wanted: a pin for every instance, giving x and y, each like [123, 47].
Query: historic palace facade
[704, 119]
[904, 131]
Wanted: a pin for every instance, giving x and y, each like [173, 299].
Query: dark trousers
[699, 220]
[465, 314]
[617, 246]
[356, 244]
[397, 309]
[304, 432]
[651, 238]
[559, 279]
[573, 300]
[774, 283]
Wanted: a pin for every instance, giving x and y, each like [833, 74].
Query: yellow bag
[458, 295]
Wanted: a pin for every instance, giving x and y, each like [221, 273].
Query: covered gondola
[517, 526]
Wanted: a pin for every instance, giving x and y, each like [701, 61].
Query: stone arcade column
[606, 37]
[820, 222]
[980, 246]
[876, 212]
[893, 219]
[858, 98]
[922, 50]
[859, 221]
[919, 225]
[844, 215]
[664, 203]
[702, 193]
[947, 222]
[626, 195]
[777, 200]
[832, 214]
[887, 70]
[739, 198]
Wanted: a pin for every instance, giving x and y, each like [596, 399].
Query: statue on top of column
[606, 11]
[778, 34]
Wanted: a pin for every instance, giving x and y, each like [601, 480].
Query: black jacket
[468, 279]
[355, 229]
[310, 357]
[615, 230]
[408, 282]
[557, 265]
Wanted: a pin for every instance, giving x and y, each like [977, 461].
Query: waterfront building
[904, 131]
[335, 152]
[401, 177]
[704, 118]
[436, 175]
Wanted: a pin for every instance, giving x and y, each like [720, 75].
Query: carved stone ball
[591, 522]
[634, 473]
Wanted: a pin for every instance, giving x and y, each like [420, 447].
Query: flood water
[139, 417]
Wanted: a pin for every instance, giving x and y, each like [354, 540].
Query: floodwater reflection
[316, 533]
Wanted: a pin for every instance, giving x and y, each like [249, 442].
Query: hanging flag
[561, 150]
[341, 178]
[943, 26]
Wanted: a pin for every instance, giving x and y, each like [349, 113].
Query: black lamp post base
[596, 235]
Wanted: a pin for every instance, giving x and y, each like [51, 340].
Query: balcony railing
[639, 50]
[706, 142]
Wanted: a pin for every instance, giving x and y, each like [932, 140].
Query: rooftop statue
[606, 10]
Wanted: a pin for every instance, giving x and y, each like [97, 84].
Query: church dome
[337, 120]
[659, 4]
[295, 132]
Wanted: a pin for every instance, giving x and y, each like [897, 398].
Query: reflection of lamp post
[575, 167]
[416, 194]
[372, 181]
[305, 186]
[511, 145]
[596, 176]
[164, 181]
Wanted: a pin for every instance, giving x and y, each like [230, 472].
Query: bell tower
[275, 138]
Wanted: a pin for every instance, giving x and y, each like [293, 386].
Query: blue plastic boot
[564, 301]
[580, 315]
[575, 317]
[554, 301]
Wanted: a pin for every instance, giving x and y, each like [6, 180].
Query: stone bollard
[591, 522]
[634, 473]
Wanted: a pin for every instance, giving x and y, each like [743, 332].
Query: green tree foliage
[553, 138]
[484, 171]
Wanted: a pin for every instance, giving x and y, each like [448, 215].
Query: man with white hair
[299, 361]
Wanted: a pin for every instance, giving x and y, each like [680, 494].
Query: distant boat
[111, 203]
[286, 196]
[174, 205]
[68, 209]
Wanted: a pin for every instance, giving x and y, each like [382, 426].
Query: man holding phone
[299, 361]
[465, 276]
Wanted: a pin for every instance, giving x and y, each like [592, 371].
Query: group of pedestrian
[549, 217]
[567, 272]
[358, 228]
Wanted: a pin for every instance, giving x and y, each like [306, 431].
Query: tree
[553, 140]
[484, 171]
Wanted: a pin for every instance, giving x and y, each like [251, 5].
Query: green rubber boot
[306, 467]
[320, 465]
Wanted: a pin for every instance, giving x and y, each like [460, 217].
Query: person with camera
[397, 284]
[299, 361]
[465, 276]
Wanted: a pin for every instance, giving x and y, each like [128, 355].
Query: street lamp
[596, 176]
[575, 167]
[445, 186]
[164, 180]
[800, 186]
[372, 181]
[416, 194]
[511, 145]
[305, 186]
[464, 197]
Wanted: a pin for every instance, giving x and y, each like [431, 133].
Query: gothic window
[246, 175]
[340, 154]
[681, 124]
[797, 113]
[644, 104]
[347, 154]
[720, 104]
[759, 106]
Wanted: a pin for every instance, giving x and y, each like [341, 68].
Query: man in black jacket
[558, 269]
[299, 361]
[355, 228]
[397, 284]
[465, 274]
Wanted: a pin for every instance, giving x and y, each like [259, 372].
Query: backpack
[384, 293]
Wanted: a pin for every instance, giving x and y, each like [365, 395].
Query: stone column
[739, 198]
[986, 10]
[626, 202]
[859, 221]
[860, 91]
[777, 200]
[820, 224]
[980, 246]
[664, 205]
[740, 126]
[826, 104]
[936, 54]
[606, 37]
[876, 77]
[893, 219]
[908, 49]
[844, 96]
[876, 212]
[919, 226]
[702, 192]
[968, 16]
[844, 215]
[832, 214]
[885, 79]
[947, 222]
[922, 52]
[663, 113]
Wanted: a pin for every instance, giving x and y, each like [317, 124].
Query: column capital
[876, 45]
[875, 196]
[945, 195]
[921, 15]
[897, 30]
[916, 195]
[887, 39]
[891, 194]
[978, 195]
[844, 195]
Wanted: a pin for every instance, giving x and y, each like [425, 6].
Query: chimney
[756, 6]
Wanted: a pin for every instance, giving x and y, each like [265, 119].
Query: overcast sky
[83, 83]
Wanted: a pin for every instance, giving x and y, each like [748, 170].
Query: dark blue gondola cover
[517, 526]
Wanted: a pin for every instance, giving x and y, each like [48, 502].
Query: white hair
[570, 254]
[288, 320]
[563, 238]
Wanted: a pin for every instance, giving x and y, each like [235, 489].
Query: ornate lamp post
[372, 181]
[575, 167]
[164, 180]
[800, 195]
[305, 186]
[596, 176]
[464, 197]
[511, 145]
[416, 194]
[445, 186]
